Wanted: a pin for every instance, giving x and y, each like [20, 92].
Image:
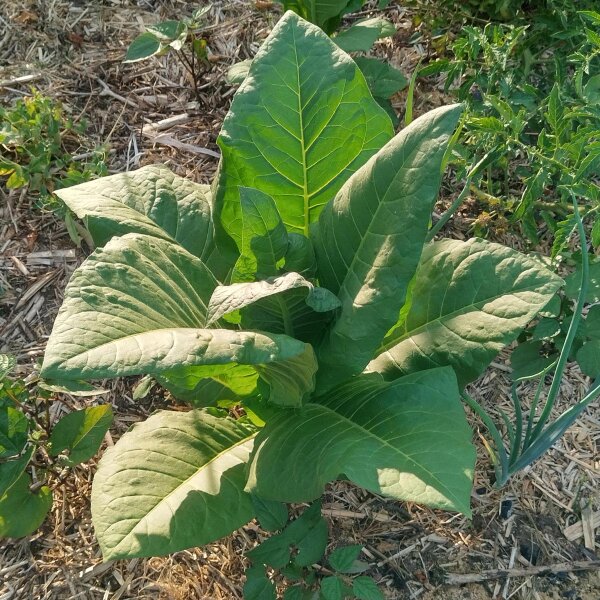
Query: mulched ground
[73, 51]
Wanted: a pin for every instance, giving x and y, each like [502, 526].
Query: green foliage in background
[37, 144]
[299, 544]
[533, 120]
[302, 289]
[30, 437]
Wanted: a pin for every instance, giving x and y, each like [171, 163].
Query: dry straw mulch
[526, 541]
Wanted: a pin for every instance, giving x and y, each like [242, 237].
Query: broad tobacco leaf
[469, 300]
[139, 305]
[370, 238]
[407, 439]
[301, 123]
[172, 482]
[152, 201]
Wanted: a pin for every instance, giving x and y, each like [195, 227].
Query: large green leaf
[152, 201]
[407, 439]
[264, 239]
[301, 123]
[139, 305]
[23, 511]
[172, 482]
[469, 300]
[370, 238]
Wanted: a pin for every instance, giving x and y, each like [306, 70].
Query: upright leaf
[407, 439]
[172, 482]
[468, 301]
[370, 237]
[301, 123]
[326, 14]
[264, 240]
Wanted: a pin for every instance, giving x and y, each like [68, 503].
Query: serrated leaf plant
[299, 288]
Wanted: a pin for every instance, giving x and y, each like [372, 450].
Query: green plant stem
[566, 349]
[516, 446]
[502, 468]
[451, 210]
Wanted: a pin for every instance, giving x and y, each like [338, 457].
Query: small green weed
[184, 38]
[300, 544]
[38, 142]
[30, 441]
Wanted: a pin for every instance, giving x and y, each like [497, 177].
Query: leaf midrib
[475, 305]
[407, 457]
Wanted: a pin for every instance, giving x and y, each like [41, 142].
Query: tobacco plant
[296, 305]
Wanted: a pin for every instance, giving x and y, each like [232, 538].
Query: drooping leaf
[383, 79]
[81, 433]
[468, 301]
[263, 238]
[528, 361]
[361, 36]
[143, 46]
[300, 255]
[229, 298]
[172, 482]
[573, 283]
[299, 125]
[407, 439]
[152, 201]
[139, 306]
[370, 238]
[14, 426]
[23, 511]
[11, 470]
